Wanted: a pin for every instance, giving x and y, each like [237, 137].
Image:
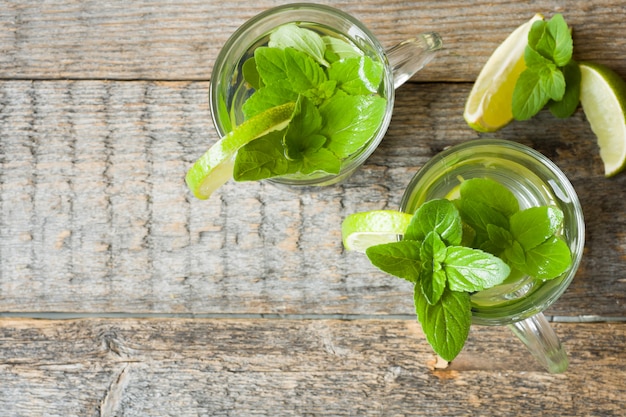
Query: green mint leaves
[551, 78]
[452, 249]
[443, 273]
[528, 240]
[338, 109]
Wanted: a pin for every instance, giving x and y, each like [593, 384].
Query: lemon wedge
[603, 99]
[489, 104]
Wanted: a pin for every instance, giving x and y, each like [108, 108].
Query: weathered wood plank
[179, 41]
[296, 367]
[95, 216]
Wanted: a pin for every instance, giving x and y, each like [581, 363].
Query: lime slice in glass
[362, 230]
[215, 167]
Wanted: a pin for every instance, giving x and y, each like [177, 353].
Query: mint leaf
[567, 106]
[534, 88]
[472, 269]
[535, 60]
[478, 216]
[224, 114]
[439, 216]
[490, 193]
[276, 65]
[432, 282]
[263, 158]
[350, 121]
[529, 95]
[499, 239]
[548, 260]
[533, 226]
[401, 259]
[302, 71]
[432, 279]
[546, 44]
[562, 37]
[356, 76]
[552, 39]
[337, 49]
[270, 63]
[553, 82]
[250, 74]
[446, 323]
[515, 255]
[433, 248]
[536, 33]
[304, 40]
[305, 123]
[273, 95]
[320, 159]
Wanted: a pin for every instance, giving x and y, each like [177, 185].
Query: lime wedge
[603, 98]
[489, 104]
[215, 167]
[362, 230]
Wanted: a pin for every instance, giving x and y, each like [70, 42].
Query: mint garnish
[552, 77]
[443, 273]
[452, 249]
[338, 108]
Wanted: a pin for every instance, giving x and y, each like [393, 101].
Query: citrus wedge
[489, 104]
[362, 230]
[603, 98]
[215, 167]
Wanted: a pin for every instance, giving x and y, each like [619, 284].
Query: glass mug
[535, 181]
[400, 63]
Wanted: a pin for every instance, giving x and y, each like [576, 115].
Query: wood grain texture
[296, 367]
[103, 107]
[95, 215]
[180, 40]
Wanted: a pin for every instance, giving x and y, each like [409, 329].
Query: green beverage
[490, 232]
[301, 95]
[332, 69]
[534, 181]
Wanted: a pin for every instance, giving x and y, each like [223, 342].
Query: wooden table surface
[121, 295]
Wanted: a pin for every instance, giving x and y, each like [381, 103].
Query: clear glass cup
[400, 63]
[535, 181]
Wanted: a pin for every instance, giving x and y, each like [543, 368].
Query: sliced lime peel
[362, 230]
[215, 167]
[603, 98]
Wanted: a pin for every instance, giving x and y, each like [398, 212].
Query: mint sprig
[452, 249]
[552, 77]
[338, 108]
[443, 273]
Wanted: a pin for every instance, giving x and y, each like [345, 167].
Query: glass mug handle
[539, 337]
[410, 56]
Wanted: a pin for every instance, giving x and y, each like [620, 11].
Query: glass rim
[257, 27]
[546, 294]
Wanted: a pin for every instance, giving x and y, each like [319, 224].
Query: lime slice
[215, 167]
[362, 230]
[489, 105]
[603, 98]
